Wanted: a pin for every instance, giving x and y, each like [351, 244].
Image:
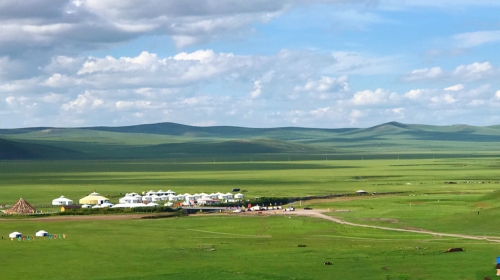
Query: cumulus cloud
[325, 84]
[82, 103]
[367, 97]
[455, 87]
[469, 72]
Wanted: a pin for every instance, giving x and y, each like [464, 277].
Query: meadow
[229, 247]
[251, 247]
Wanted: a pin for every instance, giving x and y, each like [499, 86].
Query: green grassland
[409, 167]
[236, 248]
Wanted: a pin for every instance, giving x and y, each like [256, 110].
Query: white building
[130, 199]
[62, 201]
[239, 196]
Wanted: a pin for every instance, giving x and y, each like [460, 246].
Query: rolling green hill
[12, 150]
[169, 139]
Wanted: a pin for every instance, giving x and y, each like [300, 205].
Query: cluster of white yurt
[170, 198]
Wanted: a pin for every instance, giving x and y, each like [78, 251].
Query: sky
[258, 63]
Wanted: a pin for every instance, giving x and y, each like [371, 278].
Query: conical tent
[21, 207]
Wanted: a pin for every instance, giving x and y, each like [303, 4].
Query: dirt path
[319, 214]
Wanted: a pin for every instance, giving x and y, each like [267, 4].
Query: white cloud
[83, 103]
[455, 87]
[325, 84]
[257, 89]
[474, 71]
[446, 98]
[424, 74]
[367, 97]
[473, 39]
[469, 72]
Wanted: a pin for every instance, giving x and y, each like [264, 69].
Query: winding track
[319, 214]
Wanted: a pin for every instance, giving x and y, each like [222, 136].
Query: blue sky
[262, 63]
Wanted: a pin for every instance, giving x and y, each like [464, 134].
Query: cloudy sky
[258, 63]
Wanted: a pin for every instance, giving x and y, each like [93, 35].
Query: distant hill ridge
[165, 139]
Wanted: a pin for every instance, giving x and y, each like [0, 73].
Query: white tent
[170, 192]
[106, 204]
[62, 201]
[146, 199]
[155, 198]
[229, 195]
[130, 199]
[41, 233]
[15, 234]
[222, 196]
[239, 196]
[128, 205]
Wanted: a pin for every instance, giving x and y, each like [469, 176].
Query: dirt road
[319, 214]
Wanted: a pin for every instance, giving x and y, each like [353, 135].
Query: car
[308, 208]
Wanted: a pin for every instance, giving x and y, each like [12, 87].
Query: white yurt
[93, 198]
[171, 197]
[239, 196]
[222, 196]
[106, 204]
[128, 205]
[130, 199]
[62, 201]
[213, 195]
[155, 198]
[15, 234]
[41, 233]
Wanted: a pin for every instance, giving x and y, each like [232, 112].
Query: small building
[66, 207]
[93, 198]
[41, 233]
[15, 234]
[130, 199]
[62, 201]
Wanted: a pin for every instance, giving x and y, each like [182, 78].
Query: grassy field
[41, 181]
[237, 248]
[215, 247]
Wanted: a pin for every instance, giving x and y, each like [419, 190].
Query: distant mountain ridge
[162, 140]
